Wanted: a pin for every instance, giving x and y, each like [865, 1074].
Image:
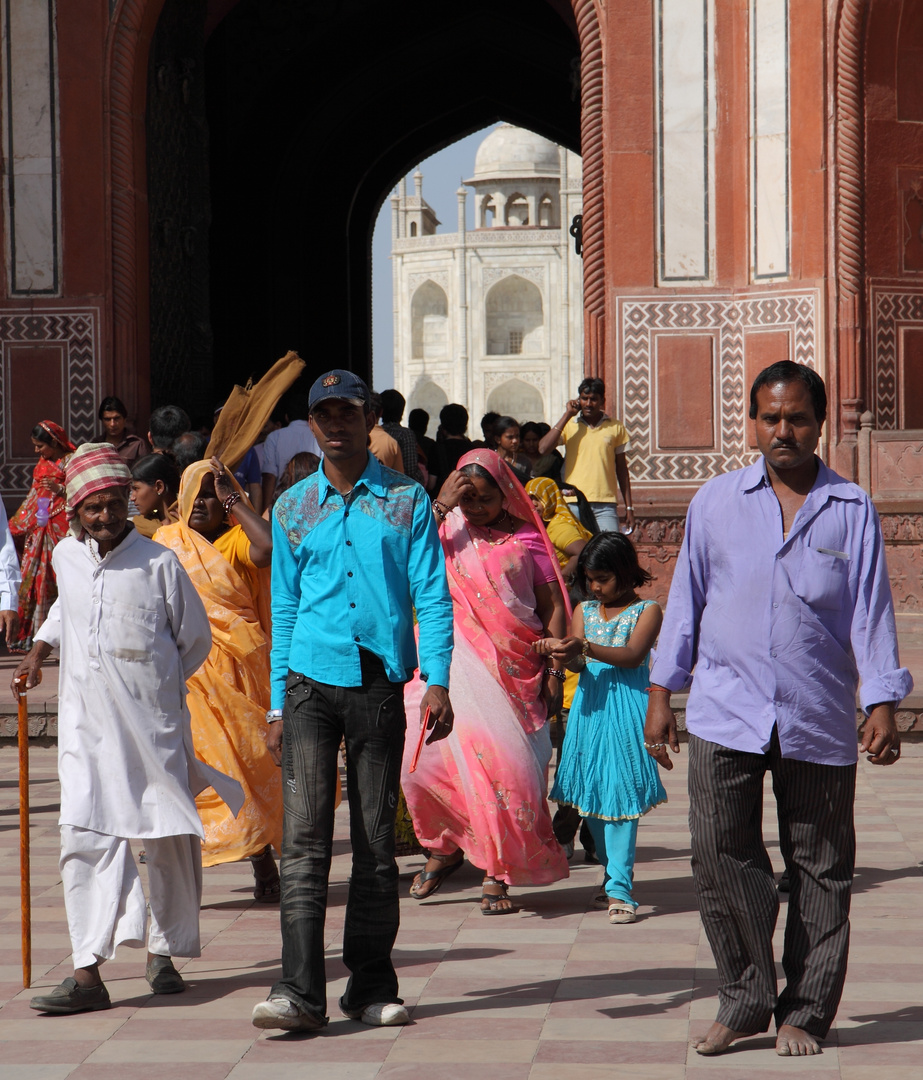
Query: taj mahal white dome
[514, 152]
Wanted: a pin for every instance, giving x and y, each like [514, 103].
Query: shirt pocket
[822, 581]
[131, 632]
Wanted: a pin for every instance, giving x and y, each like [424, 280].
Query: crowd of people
[225, 629]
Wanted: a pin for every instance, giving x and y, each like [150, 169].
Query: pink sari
[484, 788]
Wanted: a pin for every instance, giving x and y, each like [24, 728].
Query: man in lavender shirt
[781, 603]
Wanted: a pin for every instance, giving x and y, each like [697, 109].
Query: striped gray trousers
[736, 891]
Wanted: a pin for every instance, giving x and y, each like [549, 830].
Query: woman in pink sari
[482, 791]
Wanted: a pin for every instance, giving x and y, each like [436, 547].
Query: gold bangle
[586, 649]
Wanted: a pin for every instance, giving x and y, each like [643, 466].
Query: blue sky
[441, 176]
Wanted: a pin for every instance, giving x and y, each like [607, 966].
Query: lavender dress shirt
[781, 631]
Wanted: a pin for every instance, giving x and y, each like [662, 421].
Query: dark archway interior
[314, 111]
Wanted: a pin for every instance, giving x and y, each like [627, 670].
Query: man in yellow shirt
[595, 448]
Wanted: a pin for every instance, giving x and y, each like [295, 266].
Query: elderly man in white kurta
[130, 628]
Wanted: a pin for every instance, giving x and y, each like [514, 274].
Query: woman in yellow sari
[223, 545]
[568, 537]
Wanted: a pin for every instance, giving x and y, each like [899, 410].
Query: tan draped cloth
[248, 408]
[229, 695]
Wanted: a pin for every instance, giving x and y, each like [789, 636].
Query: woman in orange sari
[41, 522]
[223, 545]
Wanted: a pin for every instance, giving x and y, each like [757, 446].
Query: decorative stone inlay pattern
[439, 277]
[496, 378]
[641, 318]
[535, 274]
[891, 307]
[77, 330]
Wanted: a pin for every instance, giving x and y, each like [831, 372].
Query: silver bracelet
[273, 715]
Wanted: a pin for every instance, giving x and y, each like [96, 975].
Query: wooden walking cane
[25, 889]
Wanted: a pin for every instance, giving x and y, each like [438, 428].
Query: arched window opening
[429, 317]
[428, 396]
[413, 228]
[517, 210]
[546, 212]
[488, 212]
[515, 318]
[519, 399]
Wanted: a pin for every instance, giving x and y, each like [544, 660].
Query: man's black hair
[188, 448]
[453, 419]
[166, 424]
[418, 421]
[392, 406]
[787, 371]
[112, 404]
[487, 422]
[592, 386]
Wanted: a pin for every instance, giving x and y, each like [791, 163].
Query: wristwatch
[273, 715]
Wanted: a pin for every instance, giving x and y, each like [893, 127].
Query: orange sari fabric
[229, 695]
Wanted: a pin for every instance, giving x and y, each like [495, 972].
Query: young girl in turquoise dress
[604, 771]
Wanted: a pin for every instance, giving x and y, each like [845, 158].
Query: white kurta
[130, 631]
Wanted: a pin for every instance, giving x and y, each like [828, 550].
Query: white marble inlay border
[76, 330]
[770, 228]
[642, 318]
[686, 118]
[30, 145]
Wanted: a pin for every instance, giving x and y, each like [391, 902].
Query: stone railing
[478, 238]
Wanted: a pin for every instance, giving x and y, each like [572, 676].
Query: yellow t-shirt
[589, 457]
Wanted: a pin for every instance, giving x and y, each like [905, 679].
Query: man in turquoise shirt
[355, 554]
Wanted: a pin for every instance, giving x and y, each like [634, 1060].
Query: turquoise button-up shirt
[347, 574]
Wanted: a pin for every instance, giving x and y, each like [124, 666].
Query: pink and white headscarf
[94, 467]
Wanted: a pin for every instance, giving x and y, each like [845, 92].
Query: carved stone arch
[850, 19]
[130, 33]
[592, 151]
[429, 319]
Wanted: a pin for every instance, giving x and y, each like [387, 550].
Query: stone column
[461, 255]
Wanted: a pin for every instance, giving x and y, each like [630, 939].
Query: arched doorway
[313, 112]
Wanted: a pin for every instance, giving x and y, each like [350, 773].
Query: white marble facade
[30, 149]
[492, 317]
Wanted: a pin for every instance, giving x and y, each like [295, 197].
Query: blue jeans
[607, 517]
[315, 718]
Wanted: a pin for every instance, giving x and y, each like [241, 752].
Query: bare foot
[717, 1039]
[796, 1042]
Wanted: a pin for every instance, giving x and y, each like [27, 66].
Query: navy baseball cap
[339, 384]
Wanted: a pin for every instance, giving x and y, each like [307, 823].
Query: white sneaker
[279, 1012]
[386, 1014]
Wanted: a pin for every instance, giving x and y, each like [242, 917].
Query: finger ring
[895, 749]
[654, 745]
